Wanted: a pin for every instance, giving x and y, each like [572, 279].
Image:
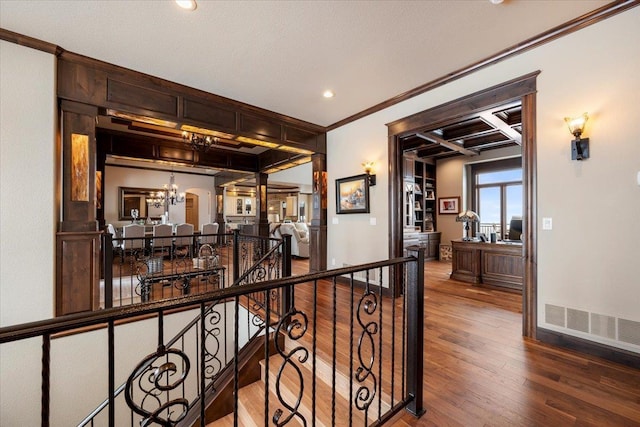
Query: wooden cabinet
[430, 241]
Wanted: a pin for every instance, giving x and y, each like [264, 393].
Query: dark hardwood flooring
[480, 371]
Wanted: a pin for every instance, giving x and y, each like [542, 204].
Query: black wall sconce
[579, 147]
[368, 167]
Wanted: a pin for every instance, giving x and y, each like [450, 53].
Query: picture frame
[429, 195]
[352, 194]
[448, 205]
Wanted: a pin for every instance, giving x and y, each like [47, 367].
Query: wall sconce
[368, 167]
[579, 147]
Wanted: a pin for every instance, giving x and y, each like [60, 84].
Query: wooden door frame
[522, 88]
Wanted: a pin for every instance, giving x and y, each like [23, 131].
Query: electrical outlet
[547, 224]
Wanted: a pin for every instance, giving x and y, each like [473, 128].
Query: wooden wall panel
[260, 126]
[128, 94]
[209, 113]
[78, 272]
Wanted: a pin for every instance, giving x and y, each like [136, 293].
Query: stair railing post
[107, 266]
[415, 329]
[236, 254]
[287, 293]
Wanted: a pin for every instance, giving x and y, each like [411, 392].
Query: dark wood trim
[122, 90]
[318, 210]
[522, 88]
[144, 147]
[31, 42]
[468, 105]
[529, 191]
[169, 86]
[583, 21]
[569, 342]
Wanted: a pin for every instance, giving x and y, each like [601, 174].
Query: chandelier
[198, 142]
[169, 195]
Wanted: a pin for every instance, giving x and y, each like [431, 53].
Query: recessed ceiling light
[496, 1]
[187, 4]
[328, 94]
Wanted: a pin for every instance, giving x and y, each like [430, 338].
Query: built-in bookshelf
[419, 194]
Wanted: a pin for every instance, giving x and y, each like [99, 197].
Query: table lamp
[467, 217]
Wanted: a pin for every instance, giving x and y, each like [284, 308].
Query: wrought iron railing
[151, 268]
[380, 358]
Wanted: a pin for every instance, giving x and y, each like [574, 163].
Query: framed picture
[429, 195]
[352, 194]
[448, 205]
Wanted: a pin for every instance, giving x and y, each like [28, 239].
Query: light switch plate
[334, 220]
[547, 224]
[372, 221]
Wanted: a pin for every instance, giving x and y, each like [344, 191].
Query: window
[497, 194]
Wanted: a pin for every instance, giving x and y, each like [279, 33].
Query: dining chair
[116, 243]
[133, 239]
[207, 231]
[184, 237]
[162, 237]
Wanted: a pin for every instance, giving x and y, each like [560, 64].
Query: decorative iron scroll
[295, 322]
[251, 253]
[212, 348]
[148, 388]
[366, 346]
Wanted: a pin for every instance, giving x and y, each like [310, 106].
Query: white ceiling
[281, 55]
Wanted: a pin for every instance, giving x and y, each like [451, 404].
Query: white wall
[201, 185]
[588, 261]
[27, 215]
[27, 183]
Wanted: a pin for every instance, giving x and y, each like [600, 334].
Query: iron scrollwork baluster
[148, 377]
[212, 347]
[143, 288]
[365, 394]
[295, 322]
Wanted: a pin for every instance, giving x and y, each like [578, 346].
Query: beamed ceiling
[488, 130]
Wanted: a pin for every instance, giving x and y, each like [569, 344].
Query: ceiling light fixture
[328, 94]
[198, 142]
[187, 4]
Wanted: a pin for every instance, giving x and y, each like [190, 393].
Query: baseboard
[361, 285]
[612, 354]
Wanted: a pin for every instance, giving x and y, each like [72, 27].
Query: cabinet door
[408, 167]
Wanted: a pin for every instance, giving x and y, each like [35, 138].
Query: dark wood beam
[432, 137]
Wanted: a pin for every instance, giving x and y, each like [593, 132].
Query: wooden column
[318, 229]
[78, 239]
[262, 221]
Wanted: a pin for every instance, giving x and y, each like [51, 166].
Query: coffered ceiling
[282, 55]
[499, 127]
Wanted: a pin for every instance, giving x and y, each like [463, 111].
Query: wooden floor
[480, 371]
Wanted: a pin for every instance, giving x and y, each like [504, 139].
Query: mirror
[136, 198]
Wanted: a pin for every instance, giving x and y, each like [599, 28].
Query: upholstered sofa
[299, 237]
